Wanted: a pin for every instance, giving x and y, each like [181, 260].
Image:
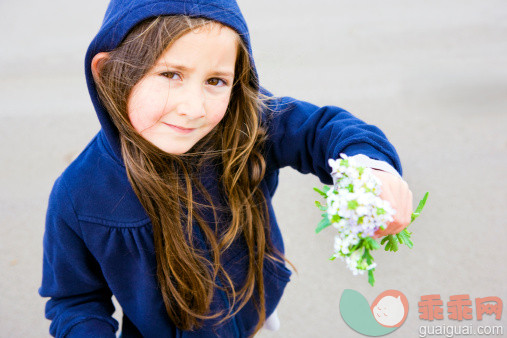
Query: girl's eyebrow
[187, 69]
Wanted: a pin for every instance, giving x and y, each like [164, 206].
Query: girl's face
[186, 93]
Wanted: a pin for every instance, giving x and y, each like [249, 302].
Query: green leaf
[324, 223]
[353, 204]
[322, 193]
[367, 256]
[371, 278]
[359, 245]
[404, 238]
[320, 206]
[392, 243]
[371, 243]
[356, 247]
[399, 239]
[332, 258]
[336, 218]
[419, 208]
[422, 202]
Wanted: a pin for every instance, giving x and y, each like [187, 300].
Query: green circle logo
[387, 312]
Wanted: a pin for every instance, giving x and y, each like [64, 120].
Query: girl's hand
[396, 191]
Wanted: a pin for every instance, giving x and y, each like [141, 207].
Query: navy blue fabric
[99, 241]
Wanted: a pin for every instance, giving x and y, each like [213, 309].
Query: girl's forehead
[208, 26]
[214, 45]
[213, 28]
[197, 39]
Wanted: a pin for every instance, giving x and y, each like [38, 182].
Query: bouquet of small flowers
[354, 208]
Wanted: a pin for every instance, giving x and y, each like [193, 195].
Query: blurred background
[431, 74]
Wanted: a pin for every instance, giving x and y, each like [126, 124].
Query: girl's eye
[216, 82]
[170, 75]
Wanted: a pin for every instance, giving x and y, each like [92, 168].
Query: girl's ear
[97, 62]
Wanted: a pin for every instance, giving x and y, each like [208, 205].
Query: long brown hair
[166, 184]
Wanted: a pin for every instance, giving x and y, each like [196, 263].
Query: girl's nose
[191, 103]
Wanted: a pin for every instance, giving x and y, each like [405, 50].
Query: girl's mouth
[179, 129]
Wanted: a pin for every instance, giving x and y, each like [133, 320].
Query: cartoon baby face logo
[387, 312]
[390, 308]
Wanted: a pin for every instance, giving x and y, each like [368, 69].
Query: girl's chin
[180, 150]
[173, 151]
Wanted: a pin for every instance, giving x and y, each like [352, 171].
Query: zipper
[233, 319]
[223, 295]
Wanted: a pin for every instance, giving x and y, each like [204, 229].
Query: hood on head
[122, 15]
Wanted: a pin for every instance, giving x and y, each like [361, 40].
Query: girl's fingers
[397, 193]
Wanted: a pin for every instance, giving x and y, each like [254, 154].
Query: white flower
[355, 210]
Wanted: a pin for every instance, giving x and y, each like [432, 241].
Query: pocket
[236, 264]
[277, 270]
[276, 277]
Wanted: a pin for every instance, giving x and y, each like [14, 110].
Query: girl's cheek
[218, 109]
[136, 122]
[146, 106]
[137, 116]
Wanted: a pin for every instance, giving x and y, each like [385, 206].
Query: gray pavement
[431, 74]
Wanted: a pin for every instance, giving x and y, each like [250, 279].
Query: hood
[122, 15]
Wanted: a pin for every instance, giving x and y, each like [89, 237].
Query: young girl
[169, 206]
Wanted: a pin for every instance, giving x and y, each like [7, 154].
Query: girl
[169, 206]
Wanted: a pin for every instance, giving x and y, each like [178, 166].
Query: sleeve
[365, 161]
[80, 303]
[304, 136]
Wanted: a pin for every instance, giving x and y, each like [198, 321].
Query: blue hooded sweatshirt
[98, 240]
